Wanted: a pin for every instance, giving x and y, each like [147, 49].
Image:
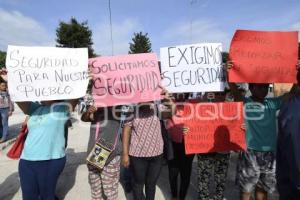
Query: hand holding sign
[185, 130]
[3, 74]
[213, 127]
[166, 96]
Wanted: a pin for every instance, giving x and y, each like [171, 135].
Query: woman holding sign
[182, 163]
[105, 132]
[43, 157]
[213, 164]
[143, 146]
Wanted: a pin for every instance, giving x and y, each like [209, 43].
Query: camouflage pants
[257, 169]
[213, 165]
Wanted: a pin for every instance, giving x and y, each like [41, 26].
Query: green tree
[140, 43]
[2, 59]
[74, 35]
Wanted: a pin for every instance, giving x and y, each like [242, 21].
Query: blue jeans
[4, 117]
[39, 178]
[145, 171]
[126, 175]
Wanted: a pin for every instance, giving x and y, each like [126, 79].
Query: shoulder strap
[97, 133]
[122, 120]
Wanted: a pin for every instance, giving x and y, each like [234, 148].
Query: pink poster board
[125, 79]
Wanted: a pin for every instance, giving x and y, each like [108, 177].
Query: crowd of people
[135, 133]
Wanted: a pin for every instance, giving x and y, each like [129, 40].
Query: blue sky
[167, 22]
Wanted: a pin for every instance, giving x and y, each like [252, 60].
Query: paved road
[73, 184]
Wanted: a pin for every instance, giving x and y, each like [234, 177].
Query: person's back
[288, 151]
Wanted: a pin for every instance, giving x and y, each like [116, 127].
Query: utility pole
[192, 2]
[111, 32]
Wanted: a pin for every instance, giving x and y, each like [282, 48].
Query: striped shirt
[146, 139]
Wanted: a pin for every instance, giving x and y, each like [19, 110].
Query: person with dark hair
[214, 164]
[105, 128]
[258, 163]
[43, 157]
[143, 145]
[288, 149]
[181, 164]
[6, 109]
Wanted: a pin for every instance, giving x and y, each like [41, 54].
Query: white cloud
[122, 34]
[196, 32]
[18, 29]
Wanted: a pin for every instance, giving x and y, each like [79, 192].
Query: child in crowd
[257, 163]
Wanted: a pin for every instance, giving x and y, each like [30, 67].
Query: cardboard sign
[213, 127]
[264, 57]
[127, 79]
[192, 68]
[46, 73]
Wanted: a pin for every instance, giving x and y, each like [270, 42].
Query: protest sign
[46, 73]
[213, 127]
[192, 68]
[264, 57]
[125, 79]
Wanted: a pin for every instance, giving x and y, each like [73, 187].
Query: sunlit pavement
[73, 183]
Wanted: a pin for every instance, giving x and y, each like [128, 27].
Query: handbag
[102, 150]
[168, 144]
[17, 148]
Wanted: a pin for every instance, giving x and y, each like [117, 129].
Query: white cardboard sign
[192, 68]
[46, 73]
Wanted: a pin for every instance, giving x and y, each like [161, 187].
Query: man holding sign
[258, 58]
[48, 75]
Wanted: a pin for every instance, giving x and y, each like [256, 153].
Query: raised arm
[169, 103]
[72, 103]
[125, 141]
[89, 115]
[24, 106]
[237, 94]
